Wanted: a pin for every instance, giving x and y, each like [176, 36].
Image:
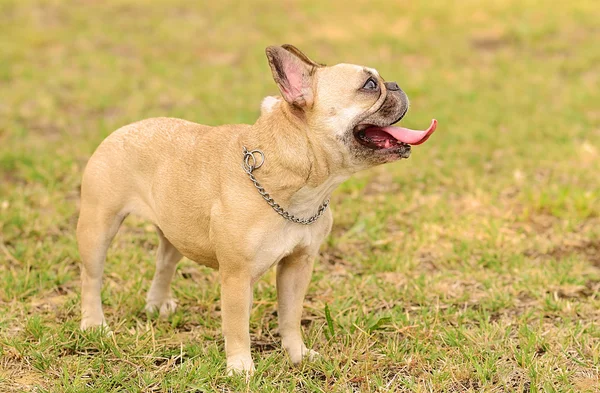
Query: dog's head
[349, 105]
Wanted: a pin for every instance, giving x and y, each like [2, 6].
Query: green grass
[473, 266]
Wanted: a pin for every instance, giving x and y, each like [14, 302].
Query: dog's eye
[370, 84]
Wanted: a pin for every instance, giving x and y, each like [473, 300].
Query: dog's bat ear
[292, 71]
[299, 54]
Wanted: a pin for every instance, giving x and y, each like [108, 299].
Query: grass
[473, 266]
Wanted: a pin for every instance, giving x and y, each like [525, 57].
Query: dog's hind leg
[159, 296]
[96, 228]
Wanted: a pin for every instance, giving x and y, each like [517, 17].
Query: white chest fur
[287, 237]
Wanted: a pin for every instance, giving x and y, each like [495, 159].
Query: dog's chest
[291, 237]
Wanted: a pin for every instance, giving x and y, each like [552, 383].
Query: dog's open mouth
[391, 137]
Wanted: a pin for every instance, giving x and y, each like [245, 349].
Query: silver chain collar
[250, 163]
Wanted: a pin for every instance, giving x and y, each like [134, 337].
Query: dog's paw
[240, 365]
[300, 353]
[94, 323]
[164, 308]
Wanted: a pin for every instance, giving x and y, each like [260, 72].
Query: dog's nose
[393, 86]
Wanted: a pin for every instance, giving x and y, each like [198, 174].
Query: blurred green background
[473, 266]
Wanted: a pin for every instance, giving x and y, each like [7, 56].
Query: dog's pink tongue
[412, 137]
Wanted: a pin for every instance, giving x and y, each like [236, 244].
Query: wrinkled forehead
[358, 69]
[344, 71]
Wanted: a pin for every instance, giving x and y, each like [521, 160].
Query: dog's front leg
[293, 276]
[236, 299]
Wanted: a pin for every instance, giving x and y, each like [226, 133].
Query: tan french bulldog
[243, 198]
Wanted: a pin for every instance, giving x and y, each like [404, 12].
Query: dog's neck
[298, 171]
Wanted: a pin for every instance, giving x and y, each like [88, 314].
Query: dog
[243, 198]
